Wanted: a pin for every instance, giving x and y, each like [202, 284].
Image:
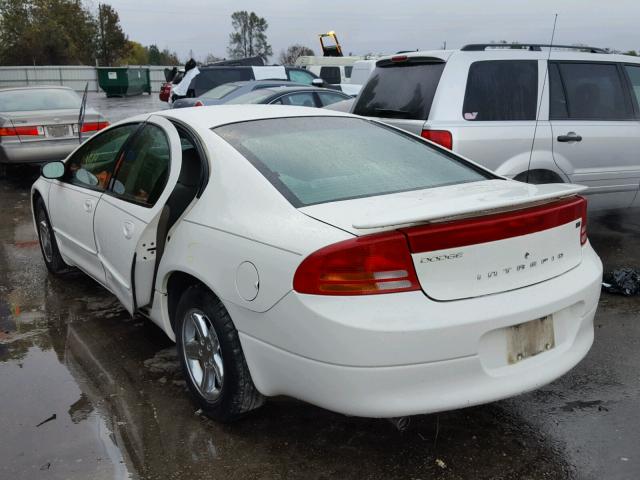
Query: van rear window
[501, 90]
[400, 90]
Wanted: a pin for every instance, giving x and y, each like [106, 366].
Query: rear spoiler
[447, 211]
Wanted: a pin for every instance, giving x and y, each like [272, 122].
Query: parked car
[326, 257]
[482, 102]
[40, 124]
[227, 91]
[302, 96]
[212, 76]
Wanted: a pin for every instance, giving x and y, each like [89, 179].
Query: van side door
[596, 134]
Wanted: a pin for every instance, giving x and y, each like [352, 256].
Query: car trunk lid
[52, 124]
[474, 239]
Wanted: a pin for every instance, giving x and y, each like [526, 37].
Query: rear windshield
[38, 99]
[400, 90]
[314, 160]
[256, 96]
[220, 91]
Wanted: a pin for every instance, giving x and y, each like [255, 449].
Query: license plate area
[57, 131]
[529, 339]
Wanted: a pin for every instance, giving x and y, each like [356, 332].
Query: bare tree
[292, 53]
[249, 38]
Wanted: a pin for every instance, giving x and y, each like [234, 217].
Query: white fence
[75, 77]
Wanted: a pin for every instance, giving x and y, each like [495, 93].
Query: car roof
[512, 54]
[217, 115]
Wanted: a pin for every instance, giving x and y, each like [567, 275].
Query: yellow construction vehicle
[330, 44]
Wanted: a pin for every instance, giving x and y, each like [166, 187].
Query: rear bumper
[36, 152]
[414, 355]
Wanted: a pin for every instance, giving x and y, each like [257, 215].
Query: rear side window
[314, 160]
[501, 90]
[331, 74]
[347, 71]
[588, 91]
[403, 90]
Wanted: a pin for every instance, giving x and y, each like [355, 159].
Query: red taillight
[441, 137]
[371, 264]
[198, 104]
[399, 58]
[490, 228]
[23, 131]
[94, 126]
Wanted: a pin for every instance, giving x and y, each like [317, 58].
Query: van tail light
[94, 126]
[371, 264]
[198, 104]
[22, 131]
[499, 226]
[441, 137]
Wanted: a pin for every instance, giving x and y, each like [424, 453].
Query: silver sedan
[40, 124]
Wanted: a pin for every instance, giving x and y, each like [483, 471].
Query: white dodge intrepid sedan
[327, 257]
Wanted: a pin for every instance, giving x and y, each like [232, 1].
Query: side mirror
[317, 82]
[53, 170]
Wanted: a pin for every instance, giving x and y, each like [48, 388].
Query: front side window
[588, 91]
[92, 165]
[299, 76]
[501, 90]
[314, 160]
[143, 171]
[302, 99]
[634, 77]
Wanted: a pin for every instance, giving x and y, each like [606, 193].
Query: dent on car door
[74, 198]
[128, 216]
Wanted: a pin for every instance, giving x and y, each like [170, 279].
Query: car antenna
[544, 81]
[83, 107]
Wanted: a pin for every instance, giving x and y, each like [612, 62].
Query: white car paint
[380, 355]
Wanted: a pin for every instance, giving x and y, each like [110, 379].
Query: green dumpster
[124, 81]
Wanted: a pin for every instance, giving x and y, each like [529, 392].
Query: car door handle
[570, 137]
[88, 205]
[127, 228]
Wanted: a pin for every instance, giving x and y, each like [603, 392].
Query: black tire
[50, 253]
[236, 395]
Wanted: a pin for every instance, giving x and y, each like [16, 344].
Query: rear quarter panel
[240, 218]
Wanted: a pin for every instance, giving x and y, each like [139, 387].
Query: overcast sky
[382, 26]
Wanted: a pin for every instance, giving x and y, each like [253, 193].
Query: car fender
[540, 160]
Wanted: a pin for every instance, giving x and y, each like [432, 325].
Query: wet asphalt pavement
[88, 392]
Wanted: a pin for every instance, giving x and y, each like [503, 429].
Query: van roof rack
[532, 47]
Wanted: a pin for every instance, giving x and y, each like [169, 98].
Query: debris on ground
[624, 281]
[440, 463]
[52, 417]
